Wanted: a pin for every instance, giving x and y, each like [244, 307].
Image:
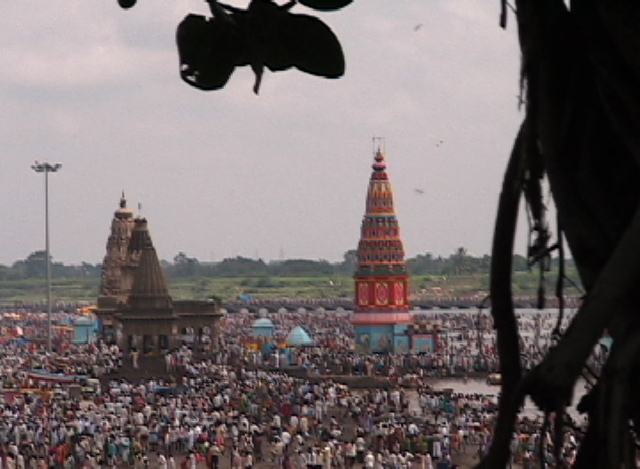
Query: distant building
[381, 314]
[134, 306]
[84, 329]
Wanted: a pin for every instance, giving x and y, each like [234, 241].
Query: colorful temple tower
[381, 312]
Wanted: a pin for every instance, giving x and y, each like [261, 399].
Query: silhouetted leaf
[325, 5]
[264, 25]
[126, 3]
[208, 49]
[280, 40]
[313, 47]
[264, 35]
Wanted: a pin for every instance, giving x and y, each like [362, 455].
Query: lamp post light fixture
[46, 168]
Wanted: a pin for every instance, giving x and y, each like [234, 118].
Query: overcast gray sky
[228, 173]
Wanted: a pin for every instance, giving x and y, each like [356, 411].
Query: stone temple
[381, 316]
[134, 306]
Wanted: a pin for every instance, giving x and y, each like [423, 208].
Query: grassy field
[86, 289]
[35, 290]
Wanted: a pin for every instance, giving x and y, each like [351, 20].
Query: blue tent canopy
[263, 327]
[299, 337]
[263, 322]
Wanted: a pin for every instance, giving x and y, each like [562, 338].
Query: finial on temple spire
[378, 154]
[379, 145]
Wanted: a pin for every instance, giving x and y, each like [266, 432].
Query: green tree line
[183, 266]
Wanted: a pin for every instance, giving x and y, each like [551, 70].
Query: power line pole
[47, 168]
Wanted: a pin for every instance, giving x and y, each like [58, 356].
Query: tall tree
[460, 260]
[36, 264]
[580, 74]
[185, 266]
[349, 261]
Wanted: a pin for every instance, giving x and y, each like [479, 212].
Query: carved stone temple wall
[135, 308]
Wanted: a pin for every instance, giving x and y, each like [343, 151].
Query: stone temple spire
[113, 286]
[149, 290]
[135, 309]
[381, 281]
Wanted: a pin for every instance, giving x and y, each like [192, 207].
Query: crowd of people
[234, 409]
[224, 416]
[466, 343]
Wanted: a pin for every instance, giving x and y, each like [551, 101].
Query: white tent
[299, 337]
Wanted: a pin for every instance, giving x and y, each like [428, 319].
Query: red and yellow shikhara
[381, 279]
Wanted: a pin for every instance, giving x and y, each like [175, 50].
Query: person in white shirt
[244, 424]
[162, 462]
[437, 449]
[426, 462]
[277, 451]
[302, 459]
[350, 454]
[369, 460]
[313, 459]
[294, 421]
[360, 447]
[379, 464]
[286, 440]
[393, 460]
[193, 461]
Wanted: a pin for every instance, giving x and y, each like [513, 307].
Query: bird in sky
[417, 27]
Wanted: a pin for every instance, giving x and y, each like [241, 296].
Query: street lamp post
[47, 168]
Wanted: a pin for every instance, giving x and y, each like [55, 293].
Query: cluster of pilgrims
[237, 417]
[229, 412]
[465, 343]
